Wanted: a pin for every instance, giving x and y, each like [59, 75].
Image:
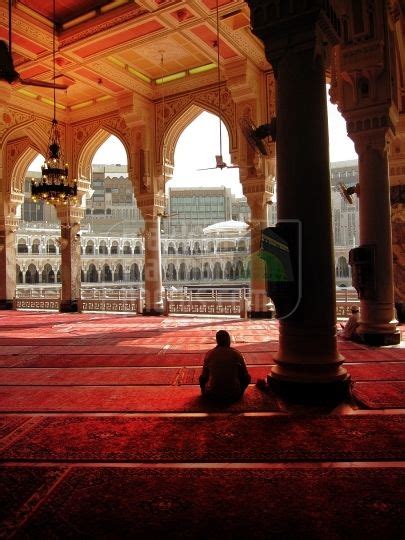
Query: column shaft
[153, 268]
[377, 316]
[308, 348]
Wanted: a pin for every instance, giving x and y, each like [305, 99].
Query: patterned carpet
[103, 434]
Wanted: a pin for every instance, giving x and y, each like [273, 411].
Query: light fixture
[54, 186]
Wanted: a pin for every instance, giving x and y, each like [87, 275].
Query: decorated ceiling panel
[108, 49]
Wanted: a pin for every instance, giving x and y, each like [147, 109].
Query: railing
[207, 302]
[117, 300]
[188, 301]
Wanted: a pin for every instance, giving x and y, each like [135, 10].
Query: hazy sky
[199, 143]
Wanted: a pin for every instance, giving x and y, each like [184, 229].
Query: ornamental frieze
[113, 22]
[13, 118]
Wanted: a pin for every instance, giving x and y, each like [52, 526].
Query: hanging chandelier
[54, 186]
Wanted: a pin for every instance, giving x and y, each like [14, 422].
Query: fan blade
[42, 84]
[345, 193]
[255, 135]
[7, 71]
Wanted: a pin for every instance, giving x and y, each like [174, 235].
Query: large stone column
[397, 189]
[153, 264]
[8, 227]
[378, 325]
[307, 361]
[70, 217]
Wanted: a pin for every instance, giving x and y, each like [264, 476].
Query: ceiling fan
[347, 192]
[219, 160]
[7, 70]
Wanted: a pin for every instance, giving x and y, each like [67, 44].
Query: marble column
[307, 362]
[70, 218]
[153, 266]
[378, 325]
[260, 304]
[8, 261]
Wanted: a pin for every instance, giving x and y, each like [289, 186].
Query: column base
[311, 393]
[152, 312]
[6, 304]
[260, 314]
[380, 339]
[400, 307]
[69, 306]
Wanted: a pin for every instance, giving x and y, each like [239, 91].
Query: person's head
[223, 338]
[355, 309]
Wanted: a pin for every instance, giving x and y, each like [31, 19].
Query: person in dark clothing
[224, 376]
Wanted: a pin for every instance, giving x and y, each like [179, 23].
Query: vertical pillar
[308, 362]
[70, 217]
[378, 325]
[260, 304]
[8, 261]
[397, 189]
[153, 267]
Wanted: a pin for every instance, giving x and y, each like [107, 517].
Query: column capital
[151, 205]
[294, 27]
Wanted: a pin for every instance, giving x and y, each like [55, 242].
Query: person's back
[224, 375]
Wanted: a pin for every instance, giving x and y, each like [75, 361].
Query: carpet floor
[207, 503]
[380, 395]
[228, 438]
[104, 434]
[123, 399]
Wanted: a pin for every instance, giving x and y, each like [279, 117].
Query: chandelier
[54, 186]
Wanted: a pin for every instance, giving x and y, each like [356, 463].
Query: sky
[191, 155]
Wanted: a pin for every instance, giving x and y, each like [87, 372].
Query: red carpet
[380, 395]
[180, 467]
[122, 399]
[87, 376]
[276, 438]
[157, 503]
[385, 371]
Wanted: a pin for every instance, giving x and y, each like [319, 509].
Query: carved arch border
[23, 143]
[88, 136]
[182, 110]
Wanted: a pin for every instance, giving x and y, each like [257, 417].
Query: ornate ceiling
[109, 50]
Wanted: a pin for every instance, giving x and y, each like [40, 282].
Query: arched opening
[126, 250]
[114, 248]
[48, 275]
[182, 272]
[92, 274]
[102, 248]
[19, 275]
[51, 246]
[134, 274]
[342, 268]
[171, 273]
[35, 246]
[89, 247]
[217, 274]
[207, 273]
[32, 275]
[138, 248]
[118, 273]
[106, 274]
[112, 209]
[22, 246]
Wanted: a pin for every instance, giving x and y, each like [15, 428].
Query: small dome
[227, 227]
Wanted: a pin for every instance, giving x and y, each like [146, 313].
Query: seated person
[349, 330]
[224, 376]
